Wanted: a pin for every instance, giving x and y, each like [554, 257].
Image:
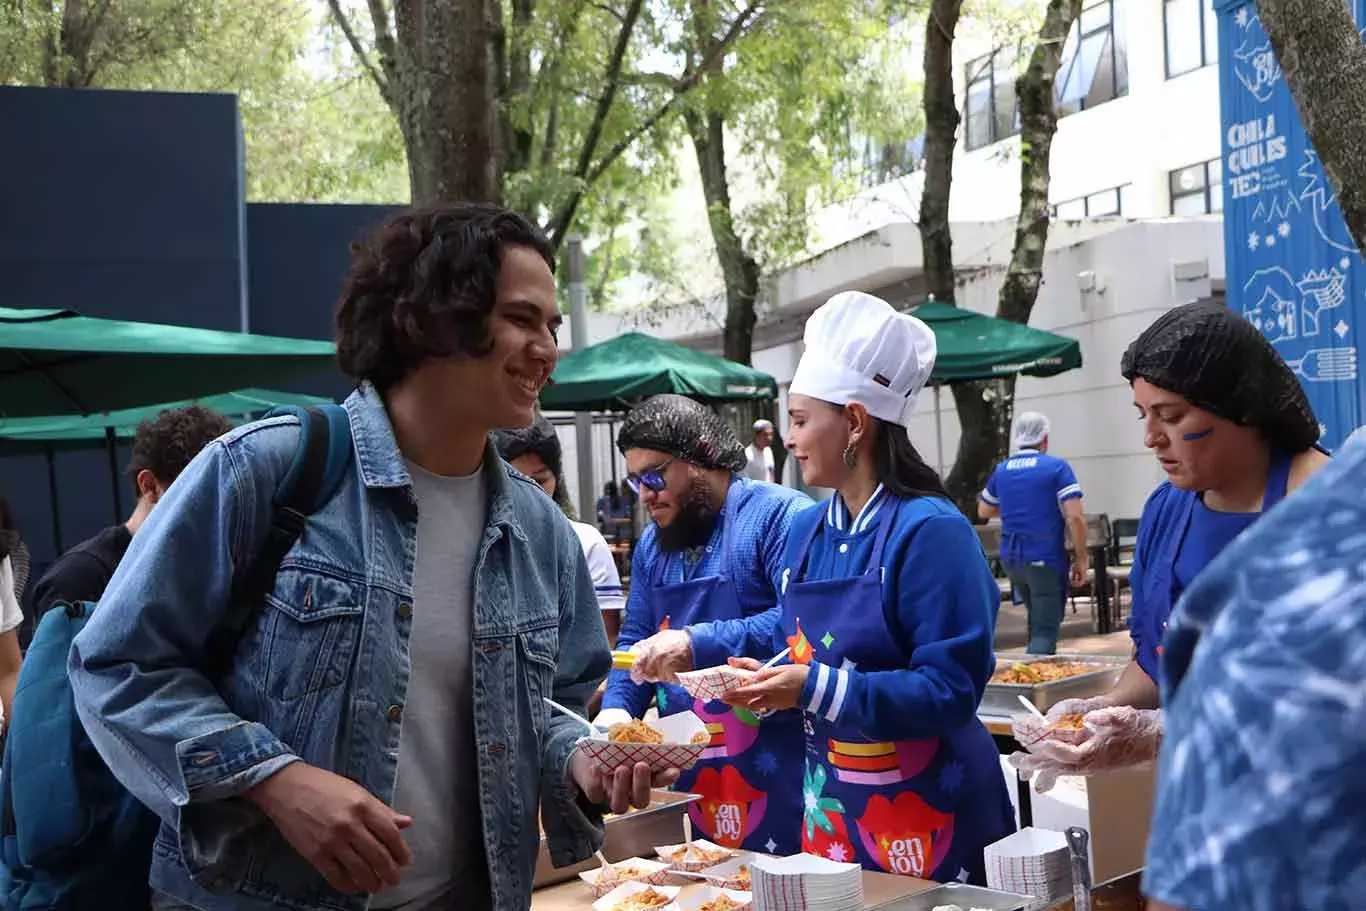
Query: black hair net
[1220, 362]
[685, 429]
[539, 439]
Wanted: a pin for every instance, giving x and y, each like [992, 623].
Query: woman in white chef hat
[888, 607]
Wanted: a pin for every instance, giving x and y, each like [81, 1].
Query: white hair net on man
[1031, 429]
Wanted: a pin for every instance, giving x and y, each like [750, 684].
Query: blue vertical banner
[1293, 269]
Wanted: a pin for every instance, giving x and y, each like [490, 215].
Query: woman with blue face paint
[1234, 433]
[887, 611]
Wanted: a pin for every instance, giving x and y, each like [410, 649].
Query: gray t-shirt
[438, 780]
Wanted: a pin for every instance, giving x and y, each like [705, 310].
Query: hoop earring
[850, 457]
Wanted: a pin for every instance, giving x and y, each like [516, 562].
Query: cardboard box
[1115, 808]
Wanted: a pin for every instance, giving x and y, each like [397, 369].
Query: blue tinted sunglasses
[651, 478]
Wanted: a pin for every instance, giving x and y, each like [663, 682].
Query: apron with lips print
[894, 807]
[733, 776]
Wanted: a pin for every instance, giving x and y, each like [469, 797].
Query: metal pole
[938, 430]
[111, 444]
[578, 338]
[53, 503]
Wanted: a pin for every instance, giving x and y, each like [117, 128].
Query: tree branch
[357, 48]
[565, 216]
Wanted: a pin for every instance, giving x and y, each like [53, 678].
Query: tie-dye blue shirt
[1261, 802]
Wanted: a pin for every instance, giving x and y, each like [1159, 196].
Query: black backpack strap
[320, 461]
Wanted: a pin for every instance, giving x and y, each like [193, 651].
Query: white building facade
[1136, 185]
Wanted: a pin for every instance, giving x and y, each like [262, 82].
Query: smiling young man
[381, 739]
[713, 552]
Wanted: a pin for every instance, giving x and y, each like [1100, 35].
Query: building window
[1094, 205]
[1095, 64]
[1198, 189]
[1191, 35]
[991, 114]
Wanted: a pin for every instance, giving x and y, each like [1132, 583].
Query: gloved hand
[1120, 737]
[608, 717]
[1029, 729]
[660, 657]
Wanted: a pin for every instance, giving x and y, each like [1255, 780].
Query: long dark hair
[899, 466]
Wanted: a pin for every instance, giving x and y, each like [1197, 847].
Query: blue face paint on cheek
[1198, 435]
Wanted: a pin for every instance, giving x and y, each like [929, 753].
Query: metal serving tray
[633, 834]
[1002, 699]
[965, 897]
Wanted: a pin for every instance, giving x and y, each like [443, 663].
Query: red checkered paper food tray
[713, 683]
[678, 751]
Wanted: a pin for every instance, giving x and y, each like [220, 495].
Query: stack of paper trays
[805, 881]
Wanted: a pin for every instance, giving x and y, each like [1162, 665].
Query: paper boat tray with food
[674, 742]
[713, 683]
[636, 870]
[693, 857]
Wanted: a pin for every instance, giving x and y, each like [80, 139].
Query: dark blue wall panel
[126, 205]
[296, 257]
[122, 204]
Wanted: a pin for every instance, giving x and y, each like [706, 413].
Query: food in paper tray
[1033, 672]
[721, 903]
[733, 874]
[634, 731]
[642, 900]
[604, 879]
[696, 853]
[675, 741]
[1073, 722]
[637, 897]
[713, 683]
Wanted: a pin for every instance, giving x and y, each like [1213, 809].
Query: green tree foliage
[314, 129]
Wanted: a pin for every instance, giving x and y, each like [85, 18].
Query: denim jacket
[322, 675]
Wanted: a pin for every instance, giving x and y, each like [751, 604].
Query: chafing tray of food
[962, 896]
[1091, 675]
[633, 834]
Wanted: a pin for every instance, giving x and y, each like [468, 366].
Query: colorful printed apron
[740, 764]
[923, 808]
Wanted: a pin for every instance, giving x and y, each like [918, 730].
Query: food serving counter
[880, 890]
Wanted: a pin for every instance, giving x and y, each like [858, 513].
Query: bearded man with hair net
[713, 552]
[1231, 427]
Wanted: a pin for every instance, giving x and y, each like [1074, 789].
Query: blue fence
[1293, 268]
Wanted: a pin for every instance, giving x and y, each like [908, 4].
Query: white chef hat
[859, 349]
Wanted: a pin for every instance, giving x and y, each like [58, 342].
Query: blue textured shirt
[938, 597]
[1029, 489]
[763, 514]
[1261, 796]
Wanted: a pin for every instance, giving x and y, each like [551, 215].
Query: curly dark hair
[164, 445]
[423, 286]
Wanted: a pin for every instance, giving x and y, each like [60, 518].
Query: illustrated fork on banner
[1326, 365]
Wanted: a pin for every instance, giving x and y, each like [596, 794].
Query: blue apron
[924, 808]
[740, 763]
[1161, 589]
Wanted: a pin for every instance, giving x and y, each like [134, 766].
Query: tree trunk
[986, 423]
[738, 268]
[1320, 52]
[446, 99]
[941, 128]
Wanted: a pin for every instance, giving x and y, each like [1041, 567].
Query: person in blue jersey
[888, 609]
[1232, 429]
[1033, 492]
[1259, 787]
[713, 552]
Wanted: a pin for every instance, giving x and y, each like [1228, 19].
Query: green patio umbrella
[615, 374]
[974, 346]
[47, 435]
[55, 362]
